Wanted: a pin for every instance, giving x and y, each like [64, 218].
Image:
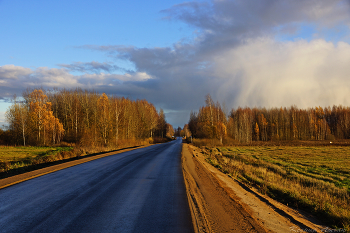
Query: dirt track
[220, 204]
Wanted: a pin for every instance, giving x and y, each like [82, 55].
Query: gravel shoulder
[219, 203]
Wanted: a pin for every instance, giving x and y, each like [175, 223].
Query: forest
[86, 117]
[260, 124]
[81, 117]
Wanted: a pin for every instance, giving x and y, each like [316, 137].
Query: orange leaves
[256, 129]
[43, 123]
[220, 130]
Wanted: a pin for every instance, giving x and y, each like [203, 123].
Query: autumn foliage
[82, 117]
[260, 124]
[33, 121]
[209, 122]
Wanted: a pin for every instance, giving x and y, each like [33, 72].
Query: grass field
[16, 157]
[316, 179]
[11, 153]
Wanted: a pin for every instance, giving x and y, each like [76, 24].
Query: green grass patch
[17, 158]
[14, 154]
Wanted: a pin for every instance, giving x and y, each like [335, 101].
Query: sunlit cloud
[13, 72]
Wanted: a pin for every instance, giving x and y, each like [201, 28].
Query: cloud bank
[91, 67]
[234, 54]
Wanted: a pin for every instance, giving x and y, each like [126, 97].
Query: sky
[254, 53]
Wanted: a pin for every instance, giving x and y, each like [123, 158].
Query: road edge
[198, 214]
[300, 222]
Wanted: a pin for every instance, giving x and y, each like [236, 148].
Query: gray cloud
[91, 67]
[251, 18]
[222, 24]
[232, 40]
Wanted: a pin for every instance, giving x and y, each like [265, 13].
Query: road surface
[136, 191]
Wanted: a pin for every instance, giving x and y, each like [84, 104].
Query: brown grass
[313, 178]
[227, 141]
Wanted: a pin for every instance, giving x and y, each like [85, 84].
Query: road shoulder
[267, 213]
[212, 209]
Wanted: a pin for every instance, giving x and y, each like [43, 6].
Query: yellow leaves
[256, 128]
[221, 129]
[103, 101]
[263, 121]
[103, 106]
[102, 117]
[42, 118]
[37, 97]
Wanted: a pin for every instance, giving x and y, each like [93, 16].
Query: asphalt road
[136, 191]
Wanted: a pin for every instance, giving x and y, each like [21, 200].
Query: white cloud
[52, 77]
[16, 79]
[139, 76]
[13, 72]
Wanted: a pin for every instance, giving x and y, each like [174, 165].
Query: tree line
[261, 124]
[82, 116]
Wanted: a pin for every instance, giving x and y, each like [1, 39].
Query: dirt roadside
[43, 171]
[219, 203]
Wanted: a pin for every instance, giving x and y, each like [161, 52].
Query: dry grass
[316, 179]
[16, 160]
[213, 142]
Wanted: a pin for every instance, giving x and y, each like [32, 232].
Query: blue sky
[242, 52]
[46, 33]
